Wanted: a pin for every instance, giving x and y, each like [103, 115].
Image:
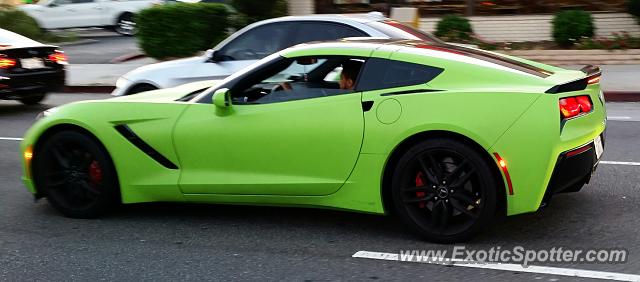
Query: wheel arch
[407, 143]
[70, 127]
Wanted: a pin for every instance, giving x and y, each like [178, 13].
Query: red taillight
[6, 63]
[574, 106]
[58, 57]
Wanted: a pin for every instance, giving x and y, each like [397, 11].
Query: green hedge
[19, 22]
[633, 6]
[571, 26]
[250, 11]
[454, 28]
[180, 30]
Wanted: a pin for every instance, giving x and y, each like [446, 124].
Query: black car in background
[29, 69]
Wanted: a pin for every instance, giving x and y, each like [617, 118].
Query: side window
[258, 42]
[382, 73]
[322, 31]
[298, 79]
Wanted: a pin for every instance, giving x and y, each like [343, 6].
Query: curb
[98, 89]
[73, 43]
[622, 96]
[127, 57]
[609, 96]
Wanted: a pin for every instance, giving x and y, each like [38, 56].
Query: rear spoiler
[592, 73]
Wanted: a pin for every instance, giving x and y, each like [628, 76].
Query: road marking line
[582, 273]
[618, 118]
[620, 163]
[10, 139]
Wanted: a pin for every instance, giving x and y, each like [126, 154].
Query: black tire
[76, 174]
[125, 25]
[439, 211]
[140, 88]
[33, 99]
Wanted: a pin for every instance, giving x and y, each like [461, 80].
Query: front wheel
[443, 189]
[76, 175]
[125, 25]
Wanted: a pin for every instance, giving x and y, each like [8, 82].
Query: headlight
[46, 113]
[121, 82]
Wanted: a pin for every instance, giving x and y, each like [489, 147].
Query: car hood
[167, 94]
[164, 66]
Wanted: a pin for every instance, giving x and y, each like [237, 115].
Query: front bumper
[573, 170]
[16, 86]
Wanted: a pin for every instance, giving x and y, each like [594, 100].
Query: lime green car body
[330, 152]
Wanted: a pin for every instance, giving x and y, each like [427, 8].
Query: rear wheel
[443, 189]
[33, 99]
[76, 175]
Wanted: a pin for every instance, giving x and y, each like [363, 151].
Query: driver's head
[350, 70]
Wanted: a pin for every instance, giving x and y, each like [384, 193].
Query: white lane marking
[582, 273]
[618, 118]
[10, 139]
[620, 163]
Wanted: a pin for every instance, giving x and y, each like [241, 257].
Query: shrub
[251, 11]
[180, 30]
[19, 22]
[570, 26]
[454, 28]
[633, 6]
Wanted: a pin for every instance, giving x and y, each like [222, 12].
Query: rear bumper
[573, 169]
[16, 86]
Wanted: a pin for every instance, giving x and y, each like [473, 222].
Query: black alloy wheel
[444, 189]
[76, 175]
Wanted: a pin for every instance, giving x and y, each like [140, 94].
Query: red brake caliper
[420, 182]
[95, 173]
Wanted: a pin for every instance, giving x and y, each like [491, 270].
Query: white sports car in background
[259, 40]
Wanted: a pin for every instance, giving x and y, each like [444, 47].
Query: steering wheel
[281, 86]
[244, 53]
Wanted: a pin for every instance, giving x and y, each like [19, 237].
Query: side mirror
[211, 55]
[221, 98]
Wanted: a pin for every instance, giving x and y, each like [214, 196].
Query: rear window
[381, 74]
[8, 38]
[397, 30]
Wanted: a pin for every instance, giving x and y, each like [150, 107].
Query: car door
[244, 50]
[302, 141]
[71, 13]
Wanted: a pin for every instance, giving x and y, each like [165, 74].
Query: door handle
[367, 105]
[71, 10]
[98, 8]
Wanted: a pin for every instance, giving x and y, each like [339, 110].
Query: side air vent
[144, 147]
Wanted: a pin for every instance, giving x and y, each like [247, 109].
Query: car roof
[360, 17]
[365, 46]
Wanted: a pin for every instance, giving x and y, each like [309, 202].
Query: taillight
[58, 57]
[6, 63]
[574, 106]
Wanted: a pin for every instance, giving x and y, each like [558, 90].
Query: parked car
[258, 40]
[29, 69]
[447, 138]
[116, 15]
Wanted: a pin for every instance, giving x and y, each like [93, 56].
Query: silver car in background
[259, 40]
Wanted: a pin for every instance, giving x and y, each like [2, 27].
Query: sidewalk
[619, 82]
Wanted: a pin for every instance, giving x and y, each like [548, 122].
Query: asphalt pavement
[217, 242]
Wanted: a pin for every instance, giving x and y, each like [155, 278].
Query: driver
[349, 74]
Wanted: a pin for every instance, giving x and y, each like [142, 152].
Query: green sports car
[445, 137]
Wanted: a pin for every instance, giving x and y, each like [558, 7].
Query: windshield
[395, 29]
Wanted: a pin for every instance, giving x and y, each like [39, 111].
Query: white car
[259, 40]
[117, 14]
